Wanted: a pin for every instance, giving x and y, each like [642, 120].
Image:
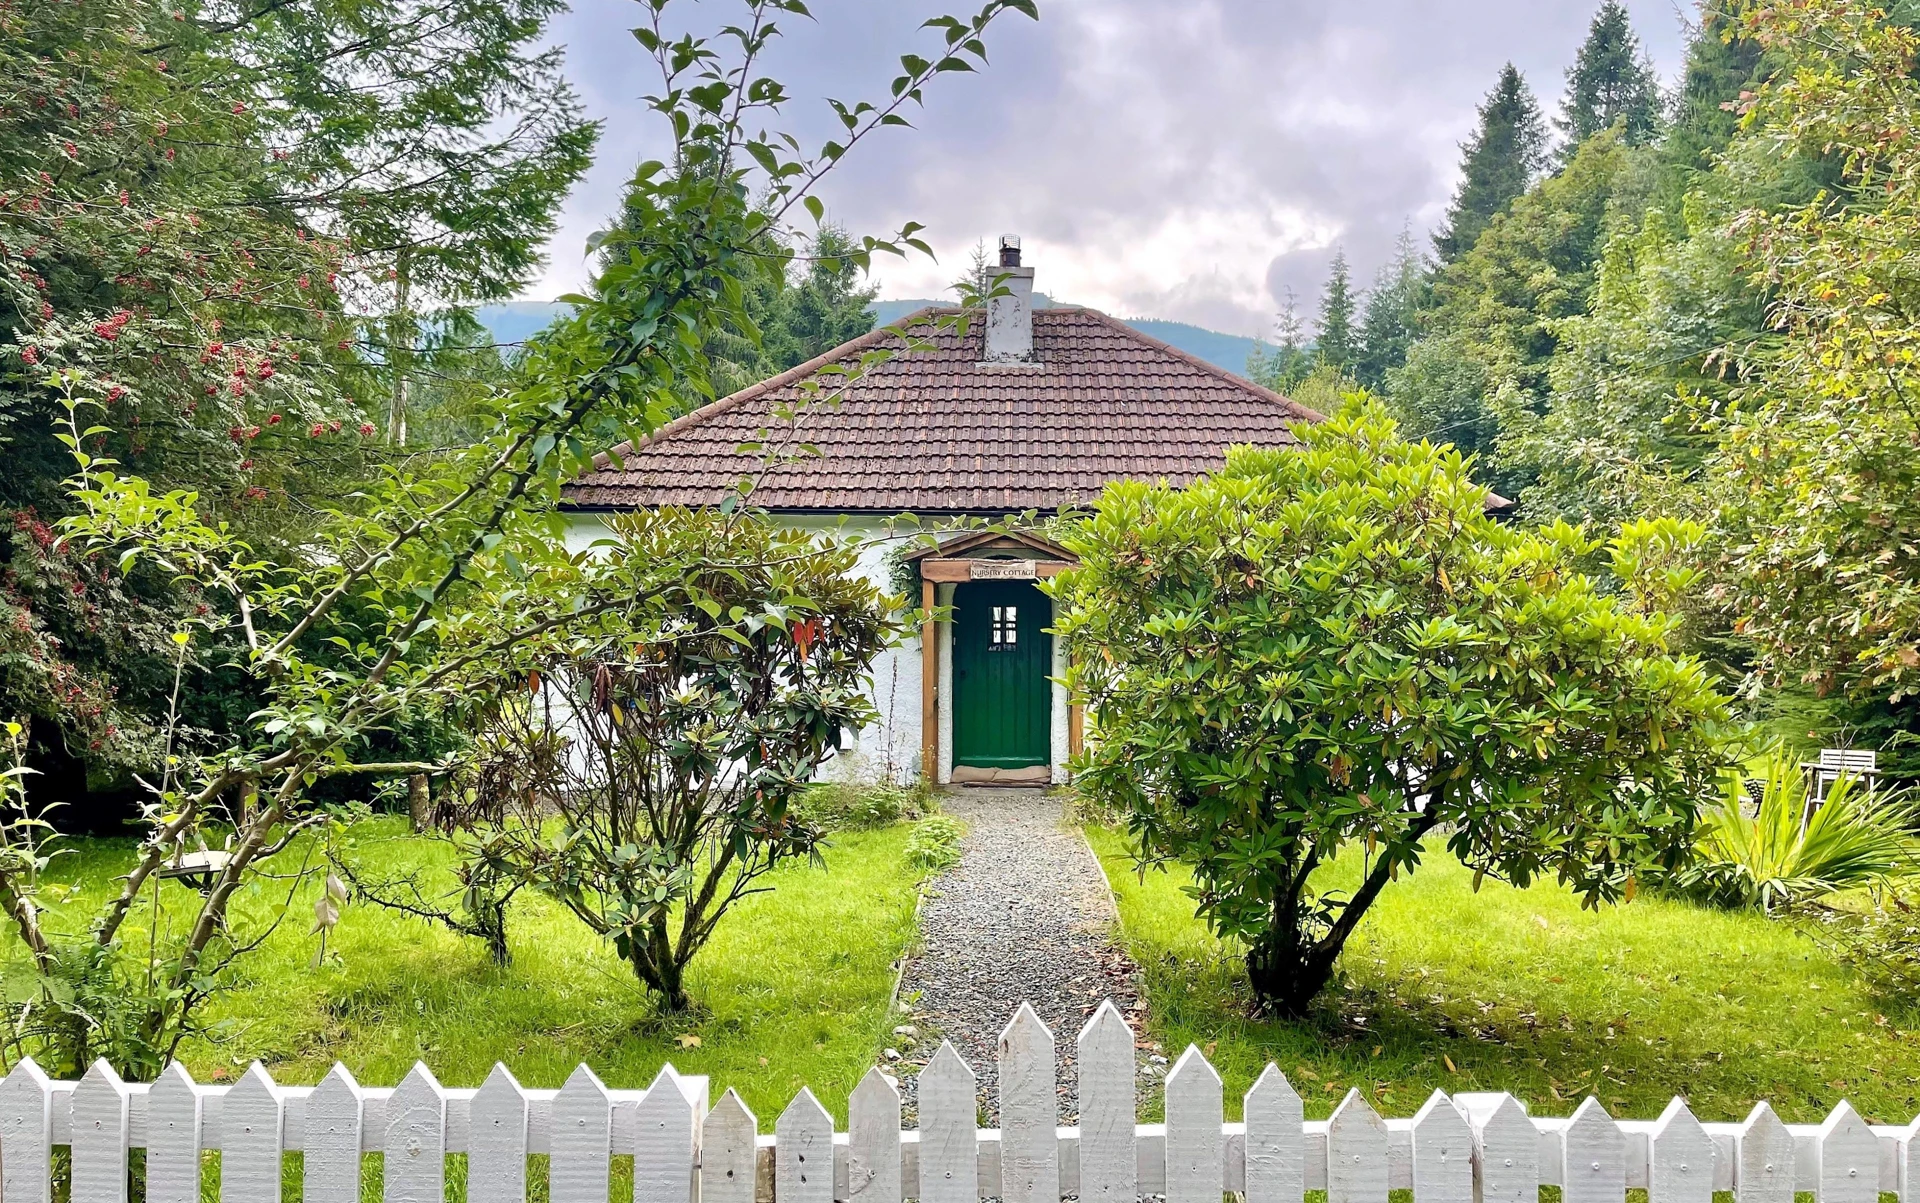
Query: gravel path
[1024, 915]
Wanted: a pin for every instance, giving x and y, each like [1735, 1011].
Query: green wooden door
[1002, 706]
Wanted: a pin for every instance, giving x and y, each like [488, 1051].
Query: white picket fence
[1471, 1148]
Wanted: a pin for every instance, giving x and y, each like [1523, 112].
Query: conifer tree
[1611, 82]
[1720, 66]
[1497, 164]
[1334, 341]
[1287, 362]
[1387, 324]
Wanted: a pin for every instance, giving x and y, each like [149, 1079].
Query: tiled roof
[937, 431]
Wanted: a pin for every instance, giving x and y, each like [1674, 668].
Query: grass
[793, 990]
[1521, 990]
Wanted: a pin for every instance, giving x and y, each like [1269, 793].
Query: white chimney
[1010, 312]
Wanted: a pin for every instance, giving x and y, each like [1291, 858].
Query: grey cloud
[1187, 160]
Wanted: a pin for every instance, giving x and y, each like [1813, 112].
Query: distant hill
[515, 321]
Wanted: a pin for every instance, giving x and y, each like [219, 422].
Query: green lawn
[1521, 990]
[793, 989]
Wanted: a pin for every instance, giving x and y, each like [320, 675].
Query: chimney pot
[1009, 250]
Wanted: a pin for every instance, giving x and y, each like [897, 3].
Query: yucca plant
[1780, 856]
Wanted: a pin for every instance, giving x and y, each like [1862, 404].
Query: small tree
[670, 740]
[1333, 646]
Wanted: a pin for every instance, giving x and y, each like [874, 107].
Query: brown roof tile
[936, 431]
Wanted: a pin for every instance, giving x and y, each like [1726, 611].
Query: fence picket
[173, 1138]
[803, 1152]
[1356, 1153]
[1029, 1112]
[666, 1143]
[1594, 1151]
[1442, 1153]
[1109, 1166]
[727, 1139]
[1680, 1159]
[100, 1136]
[330, 1144]
[873, 1140]
[949, 1139]
[1764, 1172]
[251, 1124]
[497, 1141]
[416, 1140]
[26, 1135]
[1847, 1158]
[1506, 1149]
[1908, 1169]
[1194, 1114]
[1276, 1145]
[582, 1140]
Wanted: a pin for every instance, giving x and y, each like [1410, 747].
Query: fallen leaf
[1377, 1048]
[1541, 920]
[689, 1040]
[1449, 1063]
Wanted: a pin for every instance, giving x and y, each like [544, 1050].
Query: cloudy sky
[1183, 159]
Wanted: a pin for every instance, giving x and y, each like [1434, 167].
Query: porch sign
[1005, 570]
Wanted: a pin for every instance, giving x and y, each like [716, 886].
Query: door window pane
[1004, 629]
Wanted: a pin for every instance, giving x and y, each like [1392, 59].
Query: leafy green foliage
[1881, 945]
[1491, 334]
[1333, 646]
[1816, 480]
[1777, 854]
[1665, 337]
[935, 843]
[845, 806]
[1497, 164]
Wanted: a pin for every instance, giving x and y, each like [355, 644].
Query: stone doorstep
[964, 774]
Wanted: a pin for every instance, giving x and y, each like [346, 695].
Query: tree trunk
[400, 339]
[1285, 971]
[419, 802]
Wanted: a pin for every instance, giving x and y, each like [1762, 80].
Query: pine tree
[1720, 66]
[977, 281]
[1387, 326]
[1334, 342]
[1505, 153]
[1287, 362]
[1611, 82]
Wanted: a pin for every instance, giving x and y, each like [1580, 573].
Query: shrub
[1334, 644]
[1779, 856]
[935, 843]
[1881, 945]
[834, 805]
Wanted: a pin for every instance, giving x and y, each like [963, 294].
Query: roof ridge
[1211, 369]
[714, 409]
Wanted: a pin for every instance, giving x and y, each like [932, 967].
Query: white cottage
[1030, 410]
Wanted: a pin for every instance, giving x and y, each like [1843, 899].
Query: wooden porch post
[929, 690]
